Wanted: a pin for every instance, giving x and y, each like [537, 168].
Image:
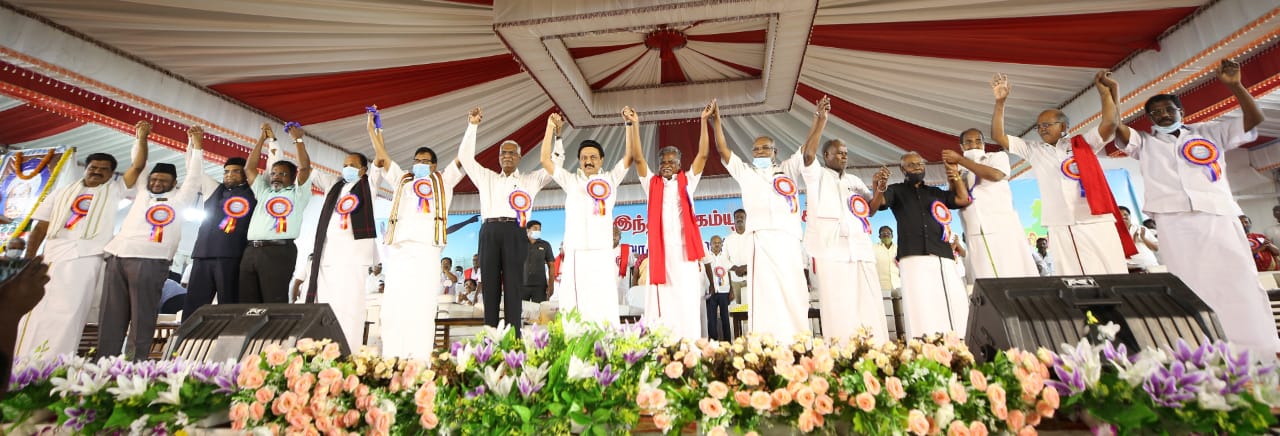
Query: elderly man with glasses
[1086, 234]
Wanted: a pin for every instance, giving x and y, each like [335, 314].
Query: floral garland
[18, 160]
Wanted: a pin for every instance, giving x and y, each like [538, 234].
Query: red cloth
[624, 258]
[1262, 259]
[689, 228]
[559, 260]
[1097, 192]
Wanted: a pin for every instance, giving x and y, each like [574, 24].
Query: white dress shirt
[134, 239]
[1145, 257]
[887, 266]
[829, 193]
[1174, 184]
[496, 187]
[767, 208]
[1060, 201]
[671, 225]
[584, 227]
[992, 208]
[91, 233]
[738, 248]
[720, 273]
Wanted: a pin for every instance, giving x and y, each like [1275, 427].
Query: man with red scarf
[675, 244]
[1265, 252]
[1086, 233]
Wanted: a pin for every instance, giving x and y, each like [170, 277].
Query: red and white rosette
[79, 209]
[786, 187]
[599, 190]
[345, 206]
[425, 192]
[1071, 170]
[862, 210]
[159, 216]
[943, 215]
[1202, 152]
[720, 272]
[234, 209]
[280, 208]
[522, 203]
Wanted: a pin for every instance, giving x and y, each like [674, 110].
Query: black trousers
[212, 276]
[265, 273]
[131, 290]
[503, 248]
[718, 317]
[535, 293]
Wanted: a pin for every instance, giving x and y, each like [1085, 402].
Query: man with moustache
[267, 265]
[416, 236]
[934, 297]
[886, 264]
[138, 258]
[1190, 198]
[590, 194]
[738, 246]
[74, 224]
[1085, 232]
[997, 245]
[675, 242]
[220, 242]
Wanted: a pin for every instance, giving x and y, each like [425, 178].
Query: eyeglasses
[509, 152]
[1171, 110]
[767, 147]
[1047, 125]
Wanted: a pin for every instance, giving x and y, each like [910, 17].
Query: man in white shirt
[448, 279]
[719, 291]
[301, 276]
[625, 262]
[1044, 260]
[770, 193]
[997, 244]
[838, 235]
[138, 258]
[373, 282]
[675, 242]
[416, 236]
[506, 201]
[1188, 194]
[739, 246]
[1146, 241]
[1076, 203]
[1273, 232]
[74, 224]
[887, 262]
[590, 193]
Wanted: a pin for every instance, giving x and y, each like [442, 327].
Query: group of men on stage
[244, 251]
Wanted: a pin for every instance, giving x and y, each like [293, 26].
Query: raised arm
[195, 161]
[999, 87]
[1229, 75]
[1104, 80]
[958, 186]
[700, 160]
[304, 159]
[1109, 118]
[141, 130]
[554, 124]
[983, 172]
[381, 159]
[722, 145]
[810, 148]
[633, 141]
[255, 155]
[879, 184]
[467, 150]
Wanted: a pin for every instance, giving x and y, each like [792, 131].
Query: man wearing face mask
[345, 247]
[138, 258]
[75, 223]
[588, 279]
[997, 245]
[222, 238]
[1085, 232]
[15, 249]
[267, 265]
[934, 298]
[1190, 198]
[886, 265]
[506, 201]
[770, 193]
[541, 266]
[416, 236]
[675, 243]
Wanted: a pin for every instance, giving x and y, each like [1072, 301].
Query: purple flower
[514, 359]
[1118, 356]
[601, 352]
[1173, 386]
[529, 387]
[478, 391]
[1196, 356]
[631, 357]
[605, 376]
[483, 352]
[455, 348]
[77, 417]
[540, 335]
[1069, 382]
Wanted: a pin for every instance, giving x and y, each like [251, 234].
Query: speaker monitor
[218, 332]
[1032, 312]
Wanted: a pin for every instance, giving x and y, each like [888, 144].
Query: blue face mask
[1177, 124]
[421, 170]
[350, 174]
[762, 162]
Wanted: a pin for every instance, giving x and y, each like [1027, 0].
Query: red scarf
[624, 258]
[689, 229]
[1097, 192]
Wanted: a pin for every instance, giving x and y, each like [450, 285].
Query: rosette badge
[234, 209]
[599, 190]
[522, 203]
[1071, 170]
[786, 187]
[943, 215]
[1204, 153]
[279, 208]
[425, 192]
[346, 205]
[159, 216]
[79, 209]
[861, 209]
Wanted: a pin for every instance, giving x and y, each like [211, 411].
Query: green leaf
[580, 418]
[120, 418]
[524, 412]
[556, 409]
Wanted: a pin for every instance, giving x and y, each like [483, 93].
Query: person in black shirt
[934, 298]
[538, 266]
[221, 240]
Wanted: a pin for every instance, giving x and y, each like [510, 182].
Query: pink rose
[1050, 396]
[330, 376]
[250, 378]
[285, 402]
[643, 398]
[748, 377]
[659, 399]
[351, 418]
[742, 398]
[350, 384]
[383, 423]
[940, 397]
[662, 421]
[718, 431]
[276, 356]
[958, 393]
[331, 351]
[257, 411]
[917, 423]
[324, 423]
[1001, 411]
[362, 390]
[752, 433]
[824, 363]
[711, 407]
[690, 360]
[264, 395]
[250, 362]
[718, 390]
[395, 385]
[1016, 419]
[239, 412]
[799, 373]
[808, 364]
[978, 380]
[1044, 409]
[1033, 419]
[1027, 431]
[302, 384]
[977, 428]
[412, 369]
[297, 418]
[673, 370]
[426, 395]
[865, 401]
[805, 396]
[781, 397]
[871, 382]
[429, 420]
[295, 368]
[894, 386]
[364, 403]
[760, 400]
[957, 428]
[824, 405]
[996, 394]
[819, 385]
[807, 421]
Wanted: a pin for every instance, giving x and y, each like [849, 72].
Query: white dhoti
[342, 287]
[588, 282]
[1084, 249]
[675, 304]
[57, 322]
[779, 293]
[934, 299]
[1209, 253]
[409, 300]
[1001, 255]
[849, 295]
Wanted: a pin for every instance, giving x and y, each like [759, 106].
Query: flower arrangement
[1213, 388]
[117, 395]
[922, 386]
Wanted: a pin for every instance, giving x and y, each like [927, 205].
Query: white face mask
[975, 154]
[350, 175]
[14, 253]
[535, 234]
[1177, 124]
[762, 162]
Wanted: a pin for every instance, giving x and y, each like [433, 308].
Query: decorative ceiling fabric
[904, 75]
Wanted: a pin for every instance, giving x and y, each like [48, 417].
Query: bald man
[997, 241]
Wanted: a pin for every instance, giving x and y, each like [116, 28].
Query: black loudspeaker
[217, 332]
[1033, 312]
